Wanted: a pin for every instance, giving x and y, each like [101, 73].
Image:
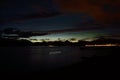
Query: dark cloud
[16, 11]
[104, 11]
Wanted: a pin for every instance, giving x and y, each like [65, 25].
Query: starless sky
[48, 15]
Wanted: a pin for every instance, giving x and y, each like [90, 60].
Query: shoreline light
[101, 45]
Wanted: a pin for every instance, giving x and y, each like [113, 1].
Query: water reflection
[54, 56]
[36, 57]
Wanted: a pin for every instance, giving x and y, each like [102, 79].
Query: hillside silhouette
[13, 42]
[23, 42]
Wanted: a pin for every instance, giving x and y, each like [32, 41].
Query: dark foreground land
[15, 62]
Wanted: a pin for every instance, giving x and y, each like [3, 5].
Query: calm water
[35, 57]
[41, 56]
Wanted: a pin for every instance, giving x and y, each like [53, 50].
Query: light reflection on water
[43, 56]
[54, 56]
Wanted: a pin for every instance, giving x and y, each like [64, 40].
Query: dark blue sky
[44, 15]
[12, 10]
[65, 21]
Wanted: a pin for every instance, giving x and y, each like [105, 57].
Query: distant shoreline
[95, 43]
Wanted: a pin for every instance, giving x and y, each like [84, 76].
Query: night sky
[89, 18]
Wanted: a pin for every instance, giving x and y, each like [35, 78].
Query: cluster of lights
[101, 45]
